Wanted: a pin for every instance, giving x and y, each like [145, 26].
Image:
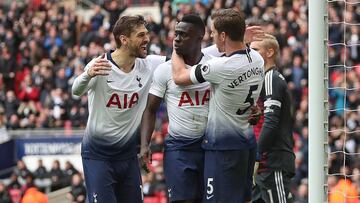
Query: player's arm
[83, 82]
[274, 88]
[148, 125]
[156, 93]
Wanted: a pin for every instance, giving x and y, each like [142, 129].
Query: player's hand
[255, 114]
[145, 157]
[101, 66]
[253, 33]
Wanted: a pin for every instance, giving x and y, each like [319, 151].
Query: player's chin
[142, 53]
[178, 51]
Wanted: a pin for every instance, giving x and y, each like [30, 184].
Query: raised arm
[180, 74]
[148, 125]
[83, 82]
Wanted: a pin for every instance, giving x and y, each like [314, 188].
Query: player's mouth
[143, 47]
[177, 46]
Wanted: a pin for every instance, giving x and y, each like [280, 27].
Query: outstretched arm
[147, 126]
[180, 74]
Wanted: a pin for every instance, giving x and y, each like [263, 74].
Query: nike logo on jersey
[209, 196]
[109, 81]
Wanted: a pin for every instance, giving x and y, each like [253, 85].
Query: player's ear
[222, 36]
[270, 53]
[123, 40]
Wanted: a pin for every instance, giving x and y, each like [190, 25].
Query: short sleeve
[211, 71]
[159, 84]
[155, 60]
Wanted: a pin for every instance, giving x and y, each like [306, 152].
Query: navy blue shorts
[184, 174]
[228, 175]
[112, 181]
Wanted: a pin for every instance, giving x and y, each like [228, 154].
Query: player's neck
[123, 60]
[269, 64]
[232, 46]
[193, 58]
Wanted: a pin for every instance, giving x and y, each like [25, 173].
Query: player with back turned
[187, 108]
[235, 83]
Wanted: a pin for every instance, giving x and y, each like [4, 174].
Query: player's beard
[139, 51]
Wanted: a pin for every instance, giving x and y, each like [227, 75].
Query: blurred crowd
[344, 103]
[44, 45]
[27, 186]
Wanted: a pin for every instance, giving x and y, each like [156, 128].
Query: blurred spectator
[302, 193]
[41, 171]
[77, 193]
[114, 9]
[343, 191]
[14, 183]
[29, 182]
[97, 19]
[4, 194]
[33, 195]
[69, 172]
[56, 176]
[21, 171]
[11, 104]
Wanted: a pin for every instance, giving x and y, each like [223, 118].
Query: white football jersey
[236, 82]
[187, 106]
[212, 50]
[116, 103]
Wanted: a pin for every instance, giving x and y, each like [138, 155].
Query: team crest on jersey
[139, 81]
[205, 69]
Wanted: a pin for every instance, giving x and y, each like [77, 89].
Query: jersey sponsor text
[198, 99]
[122, 102]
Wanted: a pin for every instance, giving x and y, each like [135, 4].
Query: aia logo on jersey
[198, 98]
[123, 101]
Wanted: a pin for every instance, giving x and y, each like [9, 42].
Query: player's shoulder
[157, 59]
[275, 76]
[151, 60]
[275, 73]
[212, 50]
[207, 57]
[256, 56]
[218, 60]
[163, 70]
[166, 66]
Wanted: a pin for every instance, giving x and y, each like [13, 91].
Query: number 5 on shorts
[209, 186]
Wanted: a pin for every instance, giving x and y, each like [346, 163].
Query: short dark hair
[231, 22]
[125, 25]
[195, 20]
